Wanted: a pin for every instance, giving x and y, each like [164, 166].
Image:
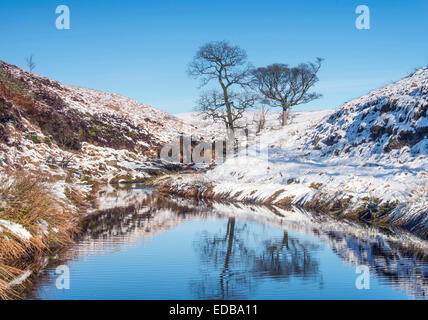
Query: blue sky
[141, 48]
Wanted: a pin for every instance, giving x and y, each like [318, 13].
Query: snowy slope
[370, 152]
[40, 96]
[43, 122]
[384, 121]
[207, 128]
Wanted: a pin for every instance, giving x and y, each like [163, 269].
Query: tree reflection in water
[240, 256]
[288, 257]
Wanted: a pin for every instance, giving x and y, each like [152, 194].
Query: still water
[145, 246]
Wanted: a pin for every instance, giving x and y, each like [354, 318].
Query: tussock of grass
[27, 200]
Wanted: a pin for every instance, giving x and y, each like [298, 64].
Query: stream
[142, 245]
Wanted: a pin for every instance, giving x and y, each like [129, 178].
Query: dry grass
[416, 208]
[7, 274]
[27, 201]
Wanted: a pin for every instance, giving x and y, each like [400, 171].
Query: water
[152, 247]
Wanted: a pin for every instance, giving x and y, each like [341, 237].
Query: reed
[27, 200]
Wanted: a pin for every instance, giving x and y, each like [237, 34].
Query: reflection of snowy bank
[401, 259]
[109, 197]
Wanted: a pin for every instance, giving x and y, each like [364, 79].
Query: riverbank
[37, 216]
[407, 213]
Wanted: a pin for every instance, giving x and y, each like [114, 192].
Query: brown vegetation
[68, 127]
[28, 202]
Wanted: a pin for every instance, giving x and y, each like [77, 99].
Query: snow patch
[16, 229]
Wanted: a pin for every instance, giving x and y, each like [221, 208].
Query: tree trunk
[230, 124]
[284, 117]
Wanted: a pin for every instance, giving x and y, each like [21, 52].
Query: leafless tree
[259, 118]
[285, 86]
[30, 63]
[228, 66]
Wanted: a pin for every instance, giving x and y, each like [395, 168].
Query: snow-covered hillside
[389, 120]
[250, 120]
[369, 158]
[44, 123]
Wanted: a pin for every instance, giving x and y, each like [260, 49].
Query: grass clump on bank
[33, 221]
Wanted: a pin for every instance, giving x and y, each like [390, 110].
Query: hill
[389, 120]
[44, 122]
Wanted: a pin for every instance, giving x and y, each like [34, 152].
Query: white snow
[16, 229]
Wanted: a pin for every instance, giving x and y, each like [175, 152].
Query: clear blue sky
[141, 48]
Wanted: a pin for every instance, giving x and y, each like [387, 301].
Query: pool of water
[145, 246]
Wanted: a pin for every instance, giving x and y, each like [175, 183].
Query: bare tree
[259, 119]
[227, 65]
[286, 87]
[30, 63]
